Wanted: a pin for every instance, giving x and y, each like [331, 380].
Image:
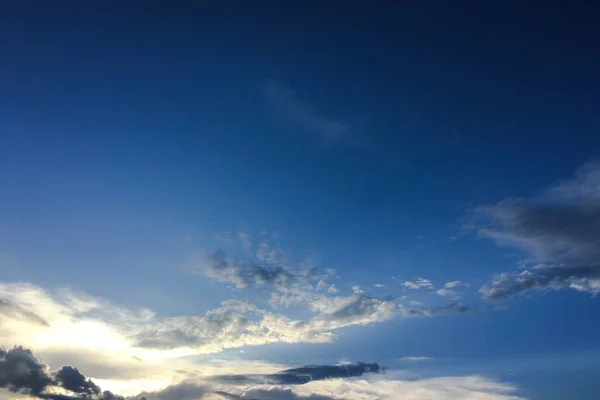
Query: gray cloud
[445, 309]
[560, 231]
[15, 311]
[187, 390]
[71, 379]
[302, 375]
[273, 394]
[217, 266]
[21, 371]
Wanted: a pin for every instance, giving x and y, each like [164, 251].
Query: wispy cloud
[290, 105]
[560, 231]
[415, 358]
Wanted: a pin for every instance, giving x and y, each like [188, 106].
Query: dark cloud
[71, 379]
[561, 232]
[302, 375]
[445, 309]
[22, 371]
[13, 310]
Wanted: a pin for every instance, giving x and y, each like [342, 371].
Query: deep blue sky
[133, 132]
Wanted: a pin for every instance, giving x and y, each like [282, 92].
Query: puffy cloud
[420, 283]
[223, 269]
[71, 379]
[560, 231]
[453, 284]
[109, 341]
[21, 371]
[390, 387]
[449, 288]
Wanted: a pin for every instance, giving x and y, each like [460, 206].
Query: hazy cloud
[289, 104]
[414, 358]
[15, 311]
[560, 231]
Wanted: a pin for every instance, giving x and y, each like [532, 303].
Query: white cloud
[415, 358]
[420, 283]
[449, 288]
[391, 387]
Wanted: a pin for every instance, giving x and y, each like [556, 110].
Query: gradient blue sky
[357, 136]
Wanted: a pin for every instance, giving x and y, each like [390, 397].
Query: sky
[299, 200]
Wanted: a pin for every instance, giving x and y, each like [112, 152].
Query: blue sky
[413, 185]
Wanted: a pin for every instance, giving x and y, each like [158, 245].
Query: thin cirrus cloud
[560, 231]
[286, 101]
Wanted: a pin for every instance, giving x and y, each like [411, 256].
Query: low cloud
[22, 372]
[560, 231]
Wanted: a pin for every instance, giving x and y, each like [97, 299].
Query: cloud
[303, 375]
[243, 275]
[445, 309]
[420, 283]
[560, 232]
[413, 358]
[273, 394]
[71, 379]
[374, 387]
[323, 382]
[22, 372]
[449, 288]
[108, 340]
[14, 311]
[289, 104]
